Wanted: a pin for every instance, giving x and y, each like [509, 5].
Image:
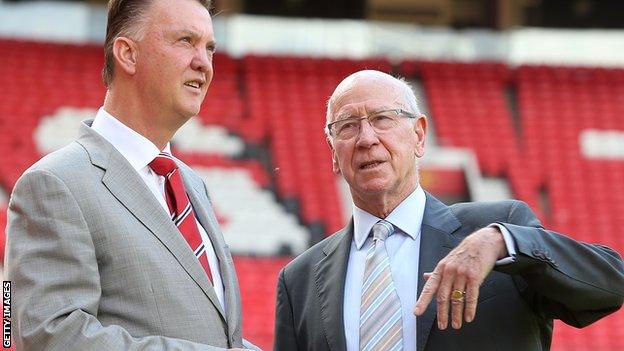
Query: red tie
[180, 207]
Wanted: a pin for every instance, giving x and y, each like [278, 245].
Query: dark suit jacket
[553, 277]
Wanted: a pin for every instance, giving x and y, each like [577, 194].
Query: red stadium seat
[277, 106]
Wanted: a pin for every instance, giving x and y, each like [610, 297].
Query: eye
[346, 126]
[210, 49]
[186, 39]
[382, 121]
[379, 117]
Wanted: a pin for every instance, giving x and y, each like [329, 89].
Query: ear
[126, 53]
[420, 130]
[335, 165]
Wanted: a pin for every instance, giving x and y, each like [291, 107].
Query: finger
[457, 305]
[471, 298]
[428, 292]
[426, 276]
[444, 292]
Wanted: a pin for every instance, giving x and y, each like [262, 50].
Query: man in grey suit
[112, 242]
[497, 277]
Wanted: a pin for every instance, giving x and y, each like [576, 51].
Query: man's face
[174, 63]
[378, 165]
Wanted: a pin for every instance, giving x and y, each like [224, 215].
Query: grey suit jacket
[553, 277]
[97, 264]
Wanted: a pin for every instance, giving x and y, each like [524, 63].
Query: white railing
[242, 34]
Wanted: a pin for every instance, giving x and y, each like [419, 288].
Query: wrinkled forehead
[364, 96]
[189, 15]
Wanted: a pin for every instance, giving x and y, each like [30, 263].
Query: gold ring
[458, 295]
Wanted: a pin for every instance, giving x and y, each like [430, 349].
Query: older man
[112, 242]
[496, 275]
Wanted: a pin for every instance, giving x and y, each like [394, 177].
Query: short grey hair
[406, 87]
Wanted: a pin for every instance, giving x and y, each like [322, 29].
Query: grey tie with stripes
[381, 323]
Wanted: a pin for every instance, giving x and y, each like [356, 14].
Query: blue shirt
[403, 250]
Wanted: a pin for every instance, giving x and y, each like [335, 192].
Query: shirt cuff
[510, 244]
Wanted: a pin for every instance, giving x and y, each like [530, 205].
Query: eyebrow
[193, 34]
[185, 33]
[344, 116]
[347, 115]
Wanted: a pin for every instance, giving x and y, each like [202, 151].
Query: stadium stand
[286, 95]
[468, 102]
[540, 152]
[522, 123]
[557, 104]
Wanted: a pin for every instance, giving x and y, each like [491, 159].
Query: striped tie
[180, 208]
[381, 325]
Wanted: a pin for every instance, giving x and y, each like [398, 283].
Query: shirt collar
[407, 216]
[136, 148]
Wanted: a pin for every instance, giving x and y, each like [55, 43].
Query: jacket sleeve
[285, 339]
[560, 277]
[52, 263]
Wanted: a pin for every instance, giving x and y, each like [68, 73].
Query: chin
[190, 111]
[374, 186]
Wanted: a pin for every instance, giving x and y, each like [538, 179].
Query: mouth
[195, 84]
[370, 165]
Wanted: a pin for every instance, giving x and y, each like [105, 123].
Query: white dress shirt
[403, 251]
[139, 152]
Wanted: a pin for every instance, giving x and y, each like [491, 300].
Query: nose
[367, 136]
[202, 61]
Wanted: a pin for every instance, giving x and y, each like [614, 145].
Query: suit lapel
[436, 242]
[439, 223]
[208, 220]
[329, 275]
[126, 185]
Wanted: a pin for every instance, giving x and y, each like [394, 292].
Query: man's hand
[463, 269]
